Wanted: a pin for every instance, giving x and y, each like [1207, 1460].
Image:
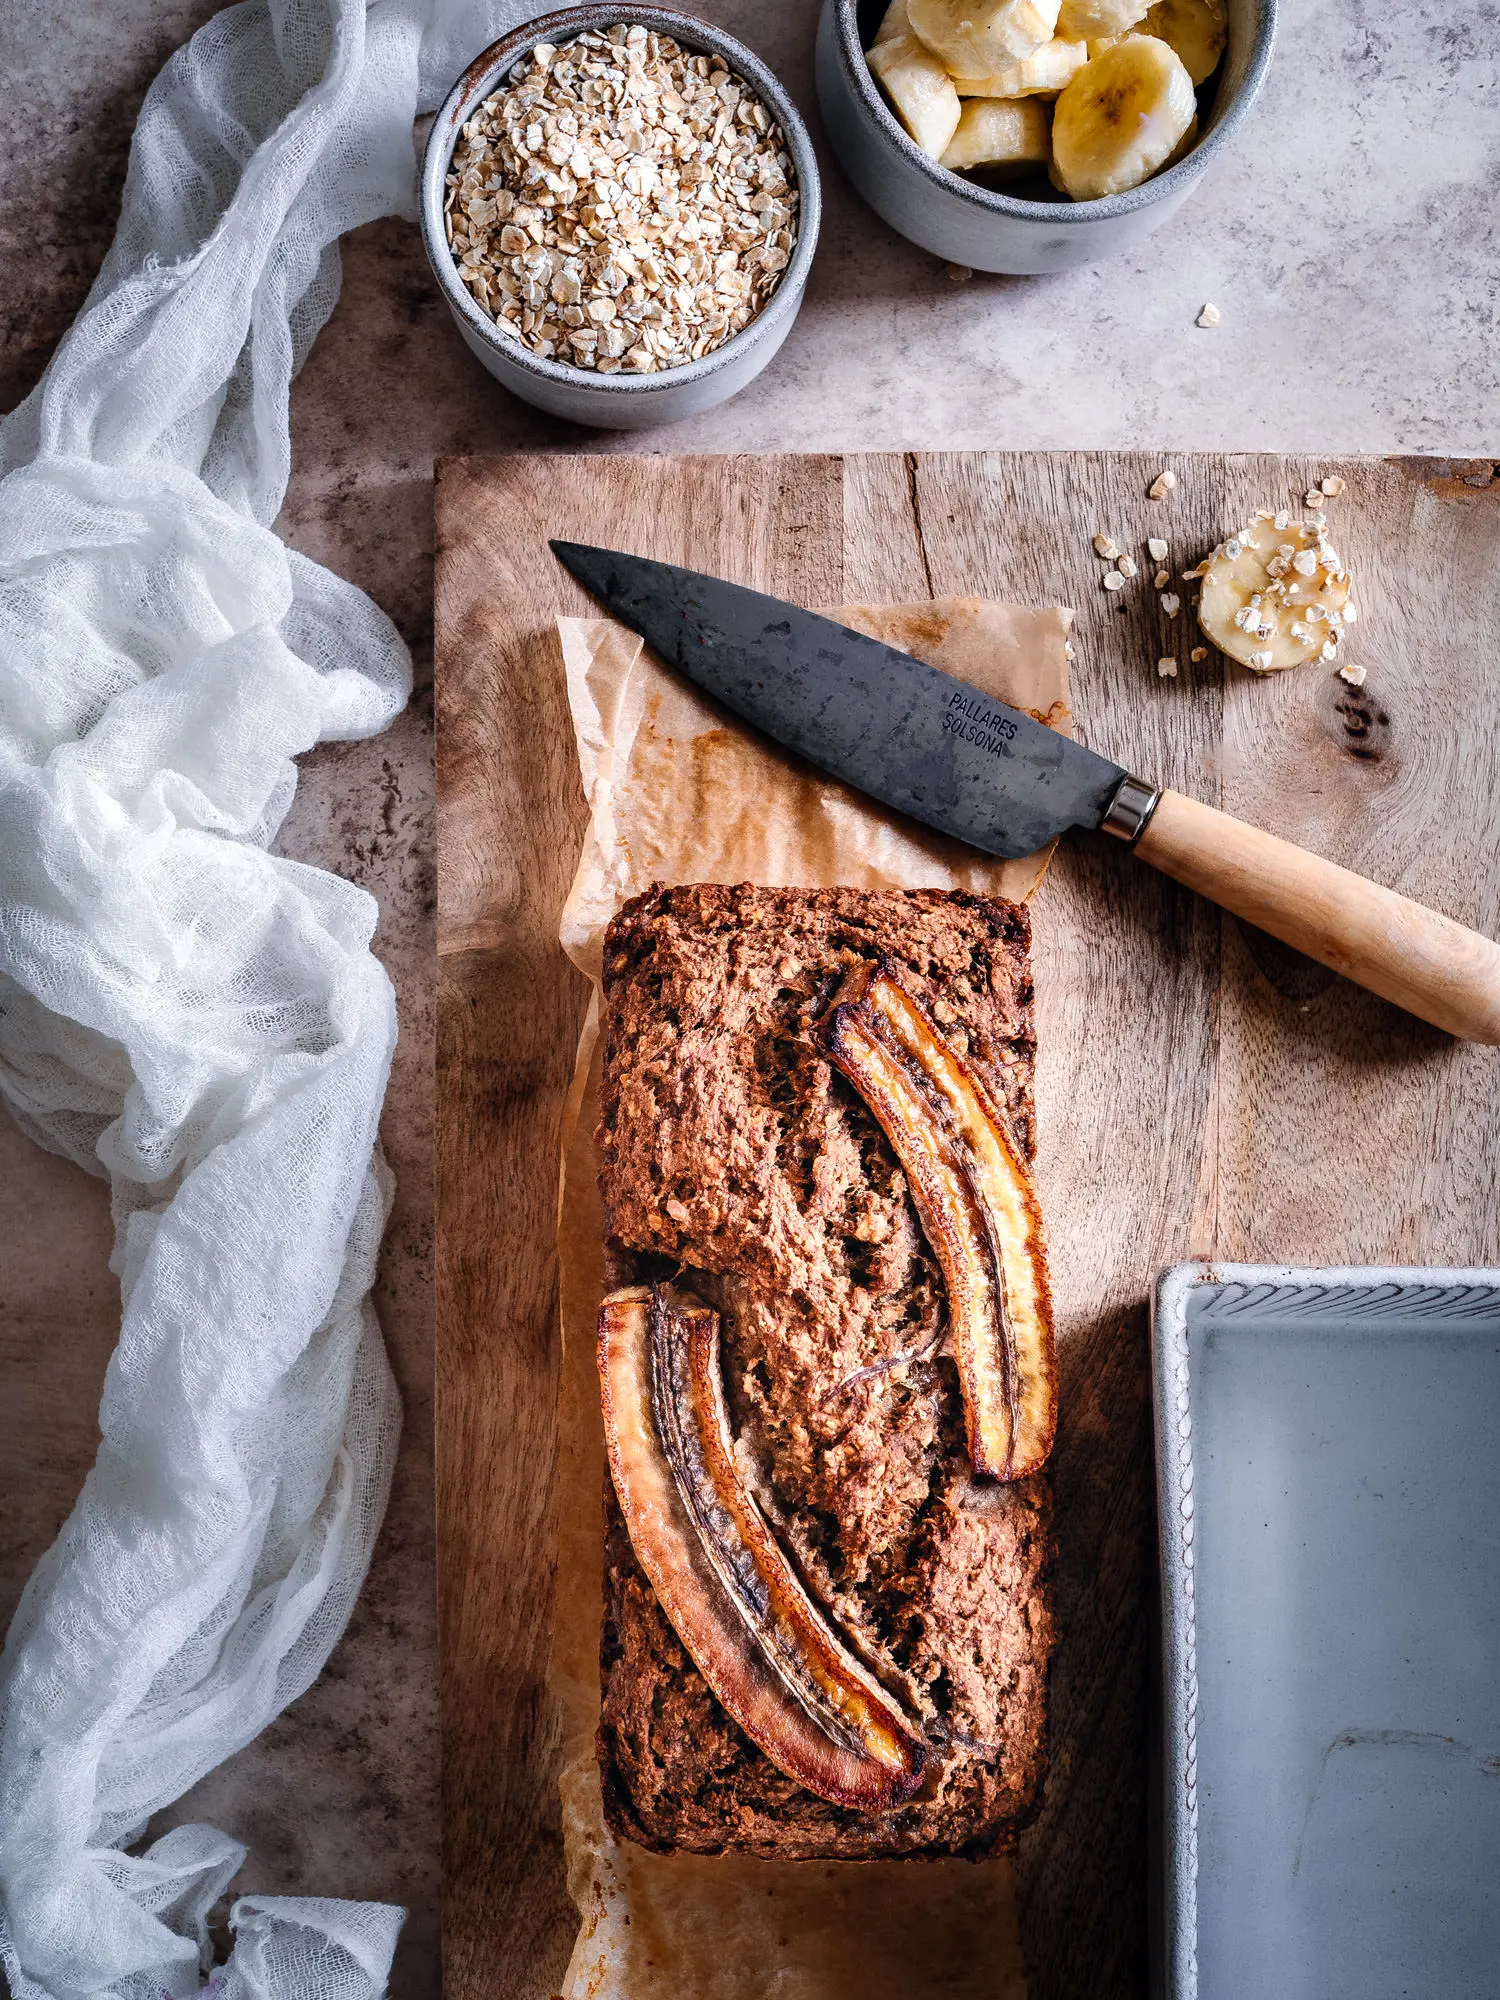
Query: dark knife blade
[917, 739]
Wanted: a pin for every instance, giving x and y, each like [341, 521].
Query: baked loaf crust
[734, 1157]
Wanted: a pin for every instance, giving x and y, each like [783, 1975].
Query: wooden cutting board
[1201, 1090]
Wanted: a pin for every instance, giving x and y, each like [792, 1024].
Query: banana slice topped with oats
[1276, 594]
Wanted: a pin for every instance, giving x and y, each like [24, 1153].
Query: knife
[938, 750]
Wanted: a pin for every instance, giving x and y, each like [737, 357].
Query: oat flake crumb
[1126, 565]
[1104, 547]
[1354, 675]
[1166, 666]
[1156, 548]
[1163, 484]
[1199, 653]
[621, 204]
[1331, 487]
[1113, 580]
[960, 273]
[1209, 316]
[1171, 603]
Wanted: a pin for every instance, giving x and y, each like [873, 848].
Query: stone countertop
[1350, 244]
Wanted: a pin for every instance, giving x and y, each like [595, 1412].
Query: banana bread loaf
[738, 1163]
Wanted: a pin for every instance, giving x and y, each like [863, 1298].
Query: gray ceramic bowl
[957, 219]
[620, 402]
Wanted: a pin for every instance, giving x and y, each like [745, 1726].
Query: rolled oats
[621, 203]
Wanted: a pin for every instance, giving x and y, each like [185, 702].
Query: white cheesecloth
[192, 1016]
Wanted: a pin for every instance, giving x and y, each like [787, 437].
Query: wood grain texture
[1349, 1131]
[1438, 970]
[510, 817]
[1202, 1090]
[1127, 966]
[510, 1005]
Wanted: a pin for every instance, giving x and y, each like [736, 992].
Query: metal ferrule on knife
[1130, 810]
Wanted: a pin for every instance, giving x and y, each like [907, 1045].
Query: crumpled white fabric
[193, 1016]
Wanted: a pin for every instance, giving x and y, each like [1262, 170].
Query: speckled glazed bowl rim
[1226, 119]
[479, 81]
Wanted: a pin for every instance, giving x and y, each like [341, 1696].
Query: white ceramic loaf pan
[1328, 1461]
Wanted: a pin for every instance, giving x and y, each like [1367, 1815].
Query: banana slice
[1043, 74]
[920, 88]
[1001, 132]
[895, 23]
[974, 1198]
[1086, 20]
[1121, 118]
[1194, 28]
[1275, 594]
[1184, 145]
[719, 1570]
[977, 38]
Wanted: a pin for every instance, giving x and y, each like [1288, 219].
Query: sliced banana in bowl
[1121, 118]
[1088, 20]
[1124, 73]
[1275, 595]
[1196, 29]
[919, 88]
[979, 197]
[1001, 132]
[1043, 73]
[976, 38]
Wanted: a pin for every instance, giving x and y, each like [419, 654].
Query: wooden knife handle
[1426, 963]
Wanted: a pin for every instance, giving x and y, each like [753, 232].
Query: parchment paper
[678, 794]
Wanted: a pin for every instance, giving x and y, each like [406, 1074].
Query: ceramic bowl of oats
[620, 205]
